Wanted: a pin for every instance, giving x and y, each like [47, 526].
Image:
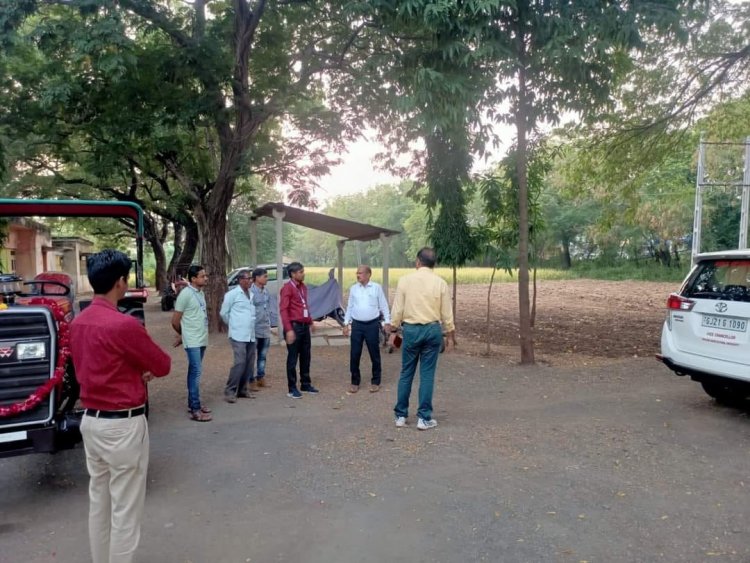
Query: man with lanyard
[296, 322]
[238, 312]
[367, 303]
[114, 358]
[422, 303]
[190, 321]
[262, 303]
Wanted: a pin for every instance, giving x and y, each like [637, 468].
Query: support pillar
[253, 241]
[385, 242]
[340, 266]
[697, 213]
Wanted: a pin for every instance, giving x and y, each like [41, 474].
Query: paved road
[616, 462]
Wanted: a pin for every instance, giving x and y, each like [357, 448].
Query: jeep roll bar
[82, 208]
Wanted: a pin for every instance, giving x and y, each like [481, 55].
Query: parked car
[705, 334]
[272, 277]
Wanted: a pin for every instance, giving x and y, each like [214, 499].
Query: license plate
[724, 323]
[13, 436]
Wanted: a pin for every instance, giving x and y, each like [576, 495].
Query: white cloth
[117, 461]
[366, 302]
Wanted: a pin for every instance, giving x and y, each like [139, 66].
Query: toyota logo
[721, 307]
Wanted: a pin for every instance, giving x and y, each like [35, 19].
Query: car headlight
[31, 351]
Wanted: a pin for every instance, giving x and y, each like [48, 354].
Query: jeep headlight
[31, 351]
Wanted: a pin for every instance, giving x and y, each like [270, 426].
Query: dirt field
[593, 319]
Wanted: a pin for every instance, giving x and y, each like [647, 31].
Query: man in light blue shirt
[367, 303]
[238, 312]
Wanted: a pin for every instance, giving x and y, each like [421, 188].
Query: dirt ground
[596, 454]
[591, 318]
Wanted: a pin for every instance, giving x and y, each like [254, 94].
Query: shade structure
[348, 230]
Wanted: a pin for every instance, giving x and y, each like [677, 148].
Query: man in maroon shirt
[296, 322]
[114, 358]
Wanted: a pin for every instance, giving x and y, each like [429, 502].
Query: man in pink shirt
[114, 358]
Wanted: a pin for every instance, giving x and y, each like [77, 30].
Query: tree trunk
[488, 331]
[211, 219]
[151, 233]
[533, 300]
[188, 250]
[455, 293]
[565, 254]
[160, 277]
[178, 231]
[526, 336]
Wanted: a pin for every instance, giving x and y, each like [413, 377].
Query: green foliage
[499, 191]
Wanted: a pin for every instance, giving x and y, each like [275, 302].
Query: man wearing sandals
[190, 321]
[238, 313]
[114, 358]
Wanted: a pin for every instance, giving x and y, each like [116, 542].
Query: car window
[728, 280]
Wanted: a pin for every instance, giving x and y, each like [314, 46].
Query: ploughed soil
[595, 319]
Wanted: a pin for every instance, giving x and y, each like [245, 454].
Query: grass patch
[645, 272]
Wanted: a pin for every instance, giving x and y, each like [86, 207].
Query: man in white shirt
[238, 312]
[367, 303]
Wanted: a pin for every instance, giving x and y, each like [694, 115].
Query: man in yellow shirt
[421, 305]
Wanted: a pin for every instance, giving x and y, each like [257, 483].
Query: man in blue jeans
[261, 300]
[421, 306]
[190, 321]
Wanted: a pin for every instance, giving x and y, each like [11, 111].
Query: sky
[356, 174]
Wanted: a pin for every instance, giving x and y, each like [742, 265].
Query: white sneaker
[400, 421]
[423, 424]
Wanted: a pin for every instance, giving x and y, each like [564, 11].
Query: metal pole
[385, 243]
[745, 196]
[340, 266]
[697, 213]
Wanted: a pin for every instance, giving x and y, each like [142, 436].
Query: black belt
[129, 413]
[423, 324]
[366, 322]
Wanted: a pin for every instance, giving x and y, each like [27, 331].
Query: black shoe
[309, 389]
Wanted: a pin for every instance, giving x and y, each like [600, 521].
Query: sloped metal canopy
[348, 230]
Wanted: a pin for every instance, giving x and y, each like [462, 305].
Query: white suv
[705, 334]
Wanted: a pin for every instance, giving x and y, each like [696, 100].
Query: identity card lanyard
[201, 304]
[305, 314]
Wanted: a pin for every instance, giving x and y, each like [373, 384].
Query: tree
[193, 93]
[565, 57]
[500, 234]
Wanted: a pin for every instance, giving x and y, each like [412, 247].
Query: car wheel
[726, 392]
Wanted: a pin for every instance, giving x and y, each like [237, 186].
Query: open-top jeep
[38, 389]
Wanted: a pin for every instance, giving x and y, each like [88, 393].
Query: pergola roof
[349, 230]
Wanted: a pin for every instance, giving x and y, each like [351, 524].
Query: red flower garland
[63, 342]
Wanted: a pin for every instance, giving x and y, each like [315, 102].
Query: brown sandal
[200, 416]
[203, 409]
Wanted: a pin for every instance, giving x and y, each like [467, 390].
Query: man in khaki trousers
[114, 358]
